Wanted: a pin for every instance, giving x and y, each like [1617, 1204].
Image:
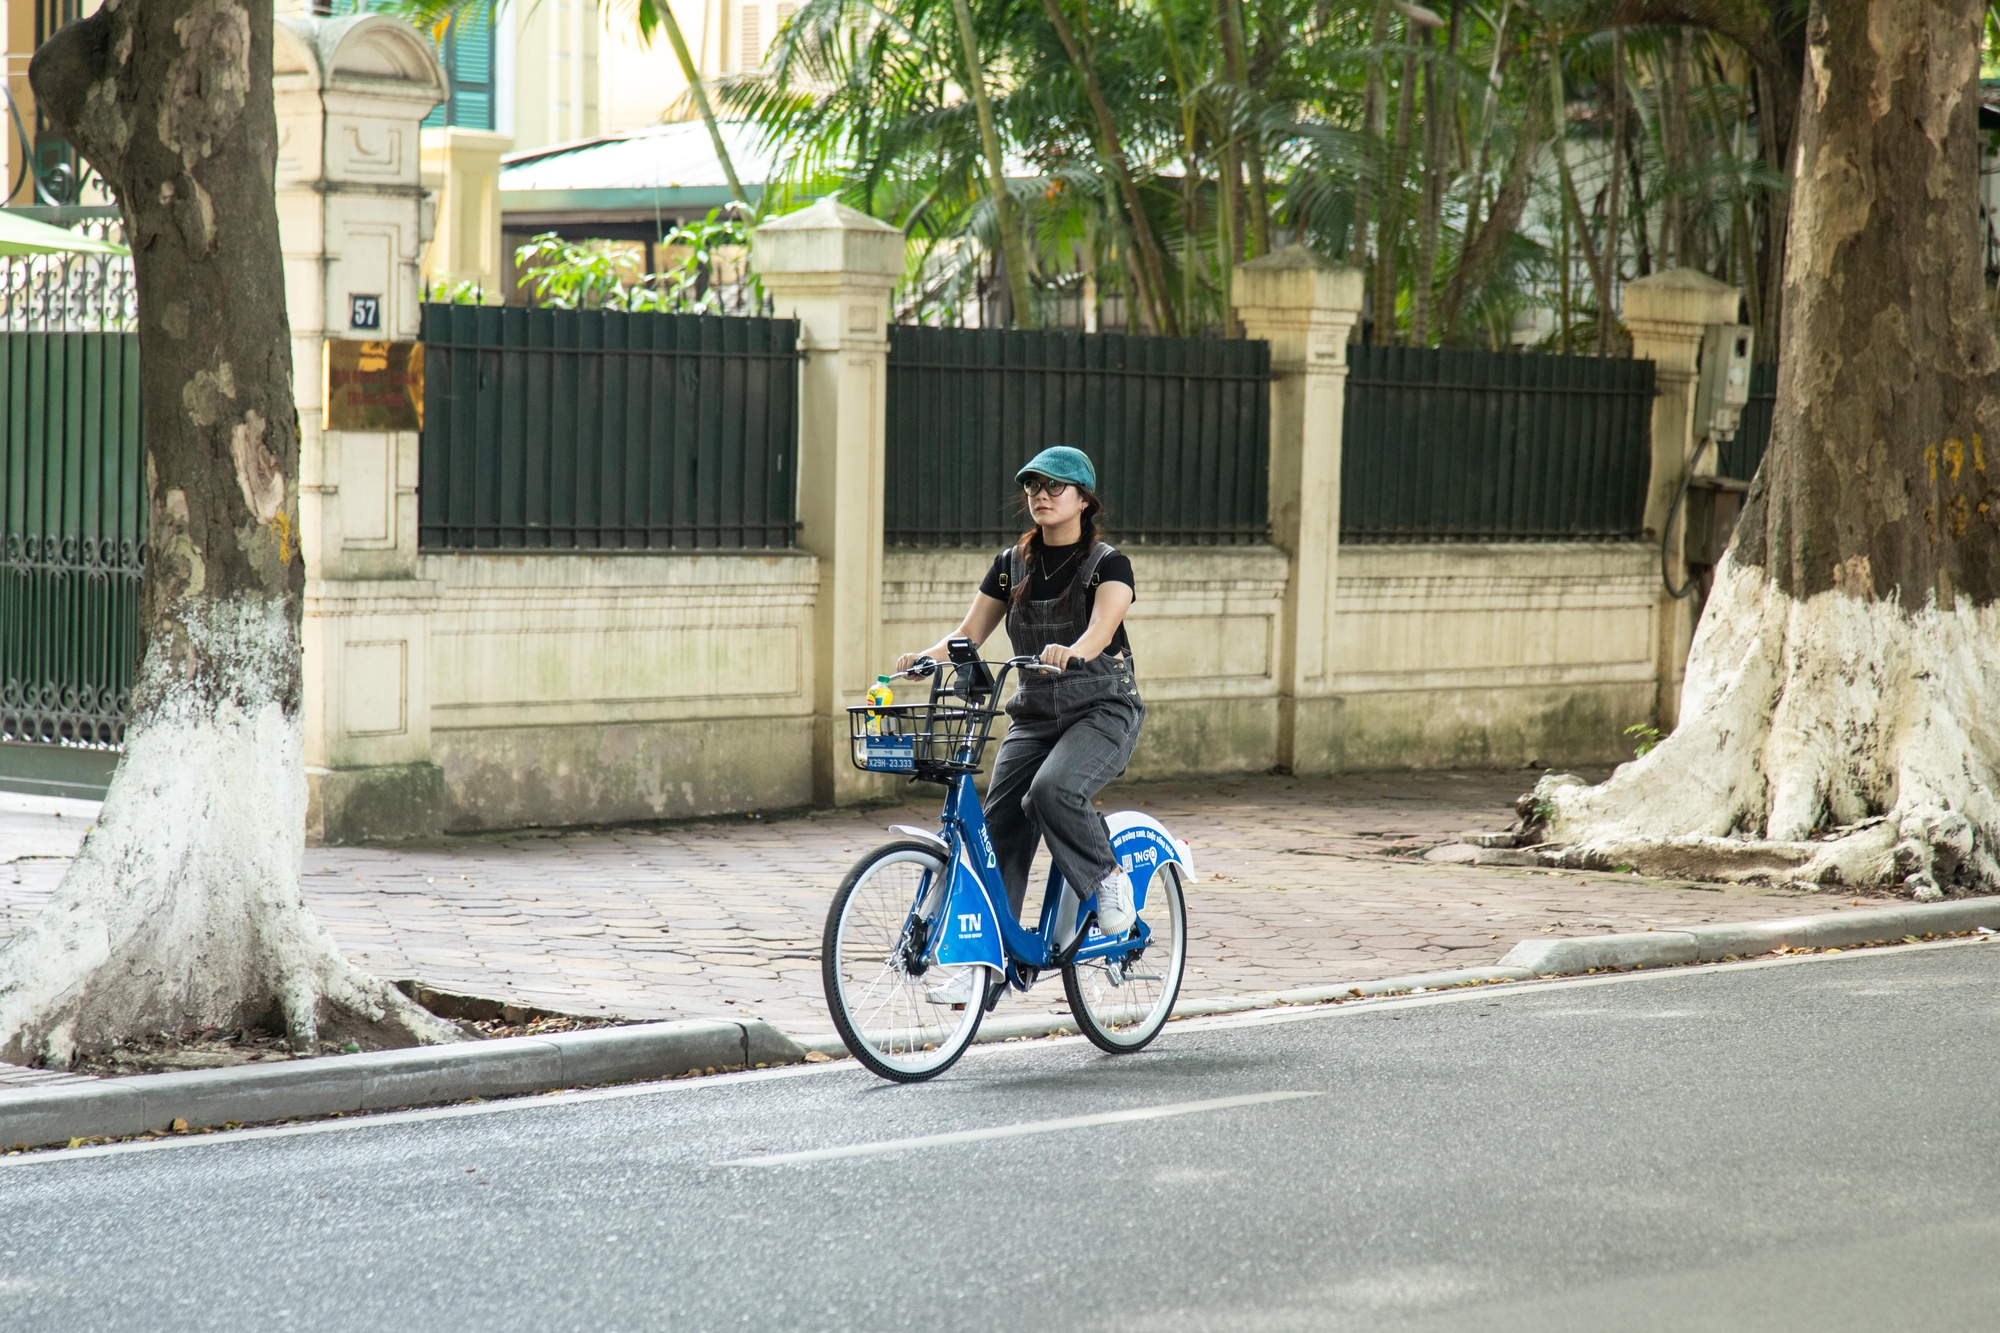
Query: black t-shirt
[1064, 561]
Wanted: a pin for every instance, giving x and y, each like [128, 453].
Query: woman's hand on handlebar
[908, 662]
[1060, 655]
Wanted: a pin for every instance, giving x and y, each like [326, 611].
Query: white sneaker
[1115, 913]
[961, 989]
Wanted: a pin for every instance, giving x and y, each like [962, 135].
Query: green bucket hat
[1062, 463]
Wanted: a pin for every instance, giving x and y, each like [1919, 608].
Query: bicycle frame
[977, 895]
[954, 932]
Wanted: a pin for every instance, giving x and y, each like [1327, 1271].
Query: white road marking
[1208, 1023]
[1538, 985]
[1016, 1131]
[370, 1119]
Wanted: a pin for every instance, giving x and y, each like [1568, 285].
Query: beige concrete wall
[494, 690]
[1444, 656]
[1463, 654]
[1204, 639]
[578, 688]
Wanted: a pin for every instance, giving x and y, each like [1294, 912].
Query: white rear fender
[1135, 834]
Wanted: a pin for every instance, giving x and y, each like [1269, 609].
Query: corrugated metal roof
[660, 166]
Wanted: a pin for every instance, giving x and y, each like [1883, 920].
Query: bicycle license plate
[889, 754]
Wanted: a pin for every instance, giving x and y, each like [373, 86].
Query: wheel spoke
[1128, 1014]
[884, 1004]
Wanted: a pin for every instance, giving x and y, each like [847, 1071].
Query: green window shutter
[467, 56]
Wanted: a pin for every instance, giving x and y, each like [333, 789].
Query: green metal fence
[596, 430]
[72, 493]
[1179, 429]
[1741, 457]
[1493, 446]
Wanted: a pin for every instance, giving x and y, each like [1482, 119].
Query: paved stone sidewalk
[1303, 882]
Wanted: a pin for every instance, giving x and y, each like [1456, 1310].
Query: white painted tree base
[1837, 740]
[183, 907]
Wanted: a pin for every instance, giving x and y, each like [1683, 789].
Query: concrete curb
[426, 1075]
[1712, 944]
[1572, 956]
[381, 1080]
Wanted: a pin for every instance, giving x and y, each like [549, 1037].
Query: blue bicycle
[914, 915]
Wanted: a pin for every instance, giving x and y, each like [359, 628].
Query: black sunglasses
[1043, 486]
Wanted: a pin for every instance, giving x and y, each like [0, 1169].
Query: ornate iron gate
[72, 493]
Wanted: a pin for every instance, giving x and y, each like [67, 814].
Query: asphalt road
[1806, 1145]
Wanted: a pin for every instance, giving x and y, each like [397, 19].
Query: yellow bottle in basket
[879, 695]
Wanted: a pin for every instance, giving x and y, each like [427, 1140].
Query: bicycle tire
[1088, 988]
[900, 1053]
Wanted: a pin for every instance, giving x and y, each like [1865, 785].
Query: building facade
[525, 76]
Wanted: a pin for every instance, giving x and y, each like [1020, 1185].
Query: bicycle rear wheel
[1122, 1004]
[873, 963]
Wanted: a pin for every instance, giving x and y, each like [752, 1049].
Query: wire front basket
[936, 740]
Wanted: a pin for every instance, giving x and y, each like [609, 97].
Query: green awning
[24, 236]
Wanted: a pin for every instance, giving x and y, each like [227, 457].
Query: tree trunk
[1634, 158]
[1477, 258]
[1190, 236]
[1149, 273]
[1228, 167]
[1777, 127]
[1013, 245]
[183, 906]
[1607, 285]
[1774, 40]
[1250, 145]
[1572, 206]
[1436, 113]
[1489, 113]
[1229, 249]
[1389, 201]
[1374, 130]
[1675, 228]
[1841, 716]
[660, 13]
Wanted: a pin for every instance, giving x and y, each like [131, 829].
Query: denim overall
[1071, 734]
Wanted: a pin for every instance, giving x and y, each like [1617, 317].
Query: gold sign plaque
[373, 385]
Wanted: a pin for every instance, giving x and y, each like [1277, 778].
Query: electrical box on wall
[1724, 387]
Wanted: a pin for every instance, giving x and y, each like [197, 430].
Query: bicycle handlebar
[923, 667]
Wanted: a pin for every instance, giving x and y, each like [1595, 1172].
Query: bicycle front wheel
[1121, 1004]
[873, 961]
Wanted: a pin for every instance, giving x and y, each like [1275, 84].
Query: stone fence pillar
[832, 269]
[1666, 314]
[353, 217]
[462, 170]
[1305, 309]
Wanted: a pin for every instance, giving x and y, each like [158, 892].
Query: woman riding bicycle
[1064, 594]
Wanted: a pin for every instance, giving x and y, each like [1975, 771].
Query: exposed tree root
[1835, 740]
[183, 907]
